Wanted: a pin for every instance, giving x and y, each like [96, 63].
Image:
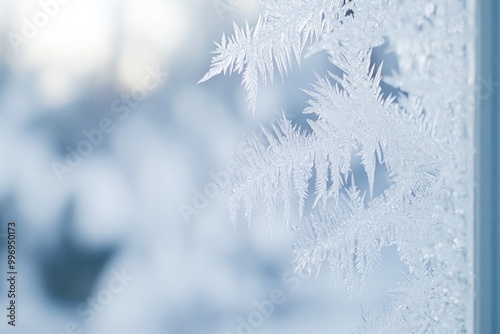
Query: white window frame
[487, 171]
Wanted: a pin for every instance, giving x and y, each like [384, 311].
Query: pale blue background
[120, 207]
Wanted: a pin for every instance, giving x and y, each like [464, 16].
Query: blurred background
[107, 142]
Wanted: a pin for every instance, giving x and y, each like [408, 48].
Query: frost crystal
[421, 136]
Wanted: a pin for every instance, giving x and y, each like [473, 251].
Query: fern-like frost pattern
[421, 136]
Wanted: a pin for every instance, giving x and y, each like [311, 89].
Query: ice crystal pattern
[421, 136]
